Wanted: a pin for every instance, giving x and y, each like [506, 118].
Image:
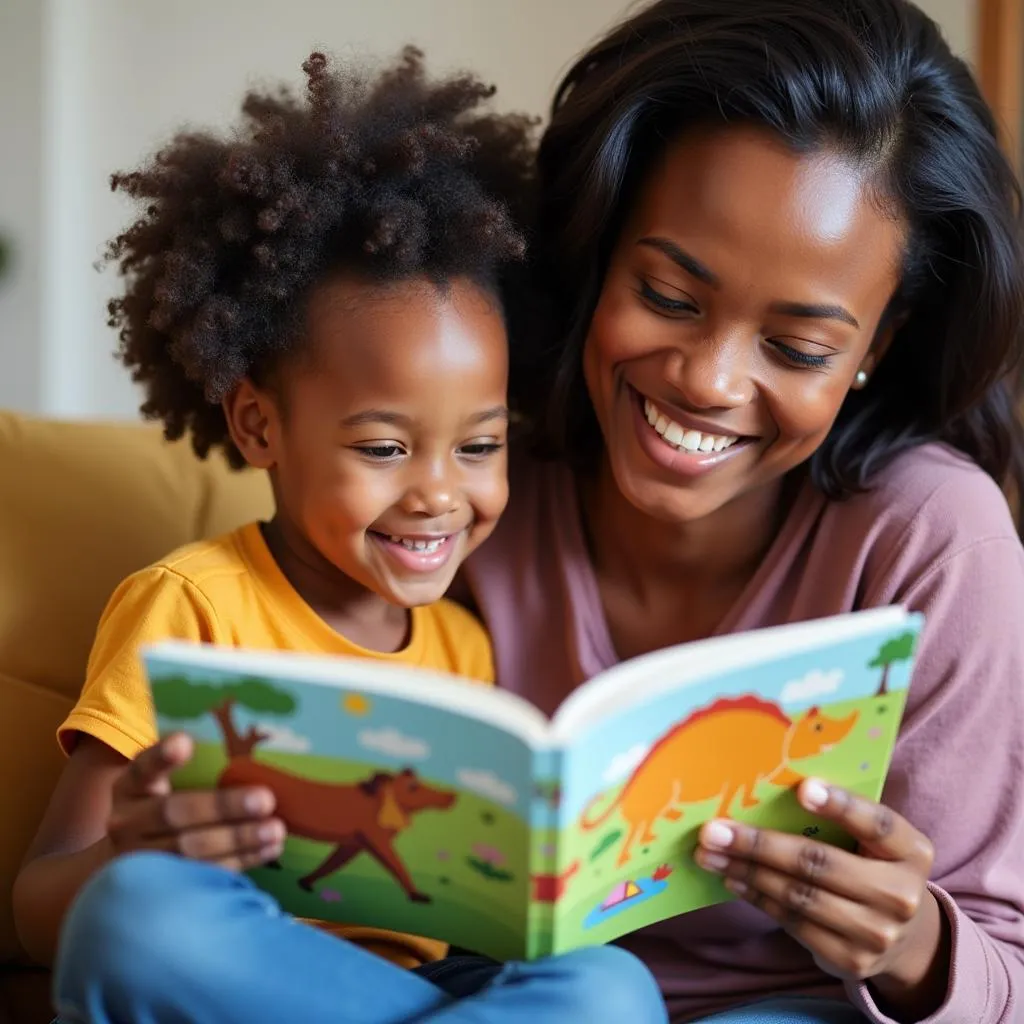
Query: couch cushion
[82, 505]
[30, 762]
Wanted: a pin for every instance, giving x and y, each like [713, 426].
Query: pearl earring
[861, 379]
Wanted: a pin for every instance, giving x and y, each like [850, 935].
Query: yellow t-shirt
[231, 592]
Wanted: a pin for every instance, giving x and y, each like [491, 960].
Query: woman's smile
[677, 444]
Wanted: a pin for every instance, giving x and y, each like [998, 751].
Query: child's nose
[435, 494]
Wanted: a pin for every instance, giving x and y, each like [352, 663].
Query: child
[319, 297]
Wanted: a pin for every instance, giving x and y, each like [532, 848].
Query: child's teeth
[427, 546]
[680, 437]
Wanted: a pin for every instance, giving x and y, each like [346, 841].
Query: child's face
[387, 449]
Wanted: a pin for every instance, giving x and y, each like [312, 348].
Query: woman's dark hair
[870, 79]
[390, 176]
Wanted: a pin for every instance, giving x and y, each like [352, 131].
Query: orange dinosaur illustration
[363, 817]
[719, 751]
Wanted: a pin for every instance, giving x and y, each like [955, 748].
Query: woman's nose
[714, 372]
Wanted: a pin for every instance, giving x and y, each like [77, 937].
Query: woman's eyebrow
[690, 264]
[813, 311]
[694, 267]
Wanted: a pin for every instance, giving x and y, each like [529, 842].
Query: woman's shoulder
[932, 490]
[931, 512]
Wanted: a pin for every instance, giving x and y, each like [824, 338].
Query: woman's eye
[382, 451]
[663, 303]
[798, 358]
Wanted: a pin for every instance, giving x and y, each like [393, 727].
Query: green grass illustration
[471, 860]
[688, 887]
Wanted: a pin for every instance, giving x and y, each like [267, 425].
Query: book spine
[545, 887]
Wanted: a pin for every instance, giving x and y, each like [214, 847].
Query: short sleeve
[115, 706]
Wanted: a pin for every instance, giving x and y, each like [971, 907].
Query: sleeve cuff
[103, 728]
[970, 989]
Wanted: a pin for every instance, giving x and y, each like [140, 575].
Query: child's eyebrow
[397, 419]
[358, 419]
[497, 412]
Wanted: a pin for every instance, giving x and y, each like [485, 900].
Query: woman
[784, 252]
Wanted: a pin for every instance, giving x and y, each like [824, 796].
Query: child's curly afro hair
[389, 175]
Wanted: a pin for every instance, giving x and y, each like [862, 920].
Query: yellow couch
[81, 506]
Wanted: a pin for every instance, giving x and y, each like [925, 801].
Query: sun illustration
[355, 704]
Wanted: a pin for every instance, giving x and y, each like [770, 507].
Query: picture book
[428, 804]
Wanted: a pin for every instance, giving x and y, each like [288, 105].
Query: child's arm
[114, 793]
[70, 845]
[105, 805]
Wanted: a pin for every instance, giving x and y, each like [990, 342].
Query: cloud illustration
[623, 764]
[283, 737]
[392, 743]
[486, 783]
[813, 685]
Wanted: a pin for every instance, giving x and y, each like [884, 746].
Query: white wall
[958, 19]
[21, 200]
[90, 86]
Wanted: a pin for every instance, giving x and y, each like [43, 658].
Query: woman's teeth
[426, 546]
[680, 437]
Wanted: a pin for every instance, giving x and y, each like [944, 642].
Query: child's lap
[780, 1011]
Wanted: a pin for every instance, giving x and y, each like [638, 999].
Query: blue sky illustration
[610, 751]
[392, 734]
[469, 754]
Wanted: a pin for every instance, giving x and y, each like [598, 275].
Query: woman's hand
[229, 827]
[863, 916]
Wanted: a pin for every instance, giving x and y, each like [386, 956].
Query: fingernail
[712, 861]
[270, 832]
[177, 745]
[814, 793]
[258, 802]
[716, 833]
[736, 886]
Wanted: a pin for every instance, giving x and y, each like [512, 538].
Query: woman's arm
[958, 777]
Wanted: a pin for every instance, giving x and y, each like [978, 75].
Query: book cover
[425, 804]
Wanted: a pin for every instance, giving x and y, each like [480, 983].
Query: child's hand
[229, 827]
[864, 915]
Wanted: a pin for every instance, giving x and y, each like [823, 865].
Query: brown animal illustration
[719, 751]
[362, 817]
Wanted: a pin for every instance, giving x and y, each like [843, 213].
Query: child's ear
[252, 420]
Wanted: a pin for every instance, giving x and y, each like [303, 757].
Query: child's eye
[382, 451]
[480, 449]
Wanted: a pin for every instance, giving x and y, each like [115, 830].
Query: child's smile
[386, 445]
[417, 552]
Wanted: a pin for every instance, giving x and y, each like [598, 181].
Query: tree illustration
[900, 648]
[178, 697]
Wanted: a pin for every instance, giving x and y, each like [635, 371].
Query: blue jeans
[790, 1010]
[156, 939]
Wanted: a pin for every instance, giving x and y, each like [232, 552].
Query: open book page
[401, 815]
[637, 785]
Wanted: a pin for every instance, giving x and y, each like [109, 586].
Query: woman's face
[744, 293]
